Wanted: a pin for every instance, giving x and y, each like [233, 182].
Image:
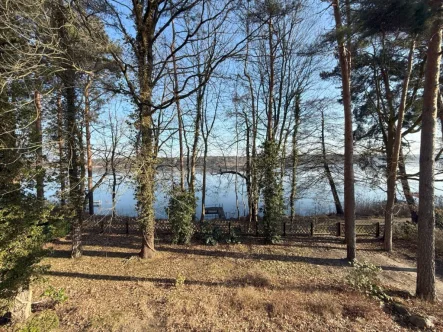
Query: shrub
[56, 295]
[213, 234]
[439, 218]
[23, 231]
[181, 209]
[406, 231]
[180, 280]
[364, 278]
[409, 232]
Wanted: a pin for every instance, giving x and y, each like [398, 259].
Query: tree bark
[337, 203]
[197, 124]
[40, 172]
[179, 112]
[392, 166]
[294, 157]
[145, 23]
[61, 154]
[75, 188]
[412, 205]
[345, 67]
[426, 222]
[270, 125]
[87, 119]
[21, 308]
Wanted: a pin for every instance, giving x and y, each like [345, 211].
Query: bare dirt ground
[298, 285]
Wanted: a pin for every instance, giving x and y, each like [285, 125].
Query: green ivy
[272, 190]
[364, 278]
[181, 209]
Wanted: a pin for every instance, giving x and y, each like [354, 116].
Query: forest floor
[298, 285]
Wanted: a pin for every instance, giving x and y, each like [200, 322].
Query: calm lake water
[224, 191]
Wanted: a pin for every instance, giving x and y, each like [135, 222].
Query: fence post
[127, 225]
[284, 228]
[312, 228]
[339, 229]
[229, 227]
[377, 229]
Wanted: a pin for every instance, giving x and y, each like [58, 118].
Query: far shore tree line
[256, 78]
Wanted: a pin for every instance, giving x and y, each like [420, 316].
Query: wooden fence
[300, 227]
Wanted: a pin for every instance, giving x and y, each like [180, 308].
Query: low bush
[364, 278]
[212, 234]
[408, 231]
[44, 322]
[56, 295]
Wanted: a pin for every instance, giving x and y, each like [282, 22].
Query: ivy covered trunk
[272, 192]
[146, 178]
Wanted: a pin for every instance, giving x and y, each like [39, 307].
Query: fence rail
[301, 227]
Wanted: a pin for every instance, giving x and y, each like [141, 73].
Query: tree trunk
[294, 160]
[345, 67]
[147, 188]
[269, 128]
[21, 308]
[75, 188]
[145, 30]
[87, 119]
[337, 203]
[61, 163]
[392, 166]
[426, 222]
[40, 172]
[406, 188]
[179, 112]
[197, 124]
[205, 155]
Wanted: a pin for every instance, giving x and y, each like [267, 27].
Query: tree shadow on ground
[213, 252]
[232, 283]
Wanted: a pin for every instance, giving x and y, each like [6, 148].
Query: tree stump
[21, 308]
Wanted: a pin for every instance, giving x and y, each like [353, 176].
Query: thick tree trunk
[392, 166]
[345, 67]
[146, 191]
[144, 19]
[87, 118]
[337, 203]
[40, 172]
[426, 222]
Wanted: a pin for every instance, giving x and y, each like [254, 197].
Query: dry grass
[296, 286]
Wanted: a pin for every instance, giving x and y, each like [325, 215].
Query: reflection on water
[223, 191]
